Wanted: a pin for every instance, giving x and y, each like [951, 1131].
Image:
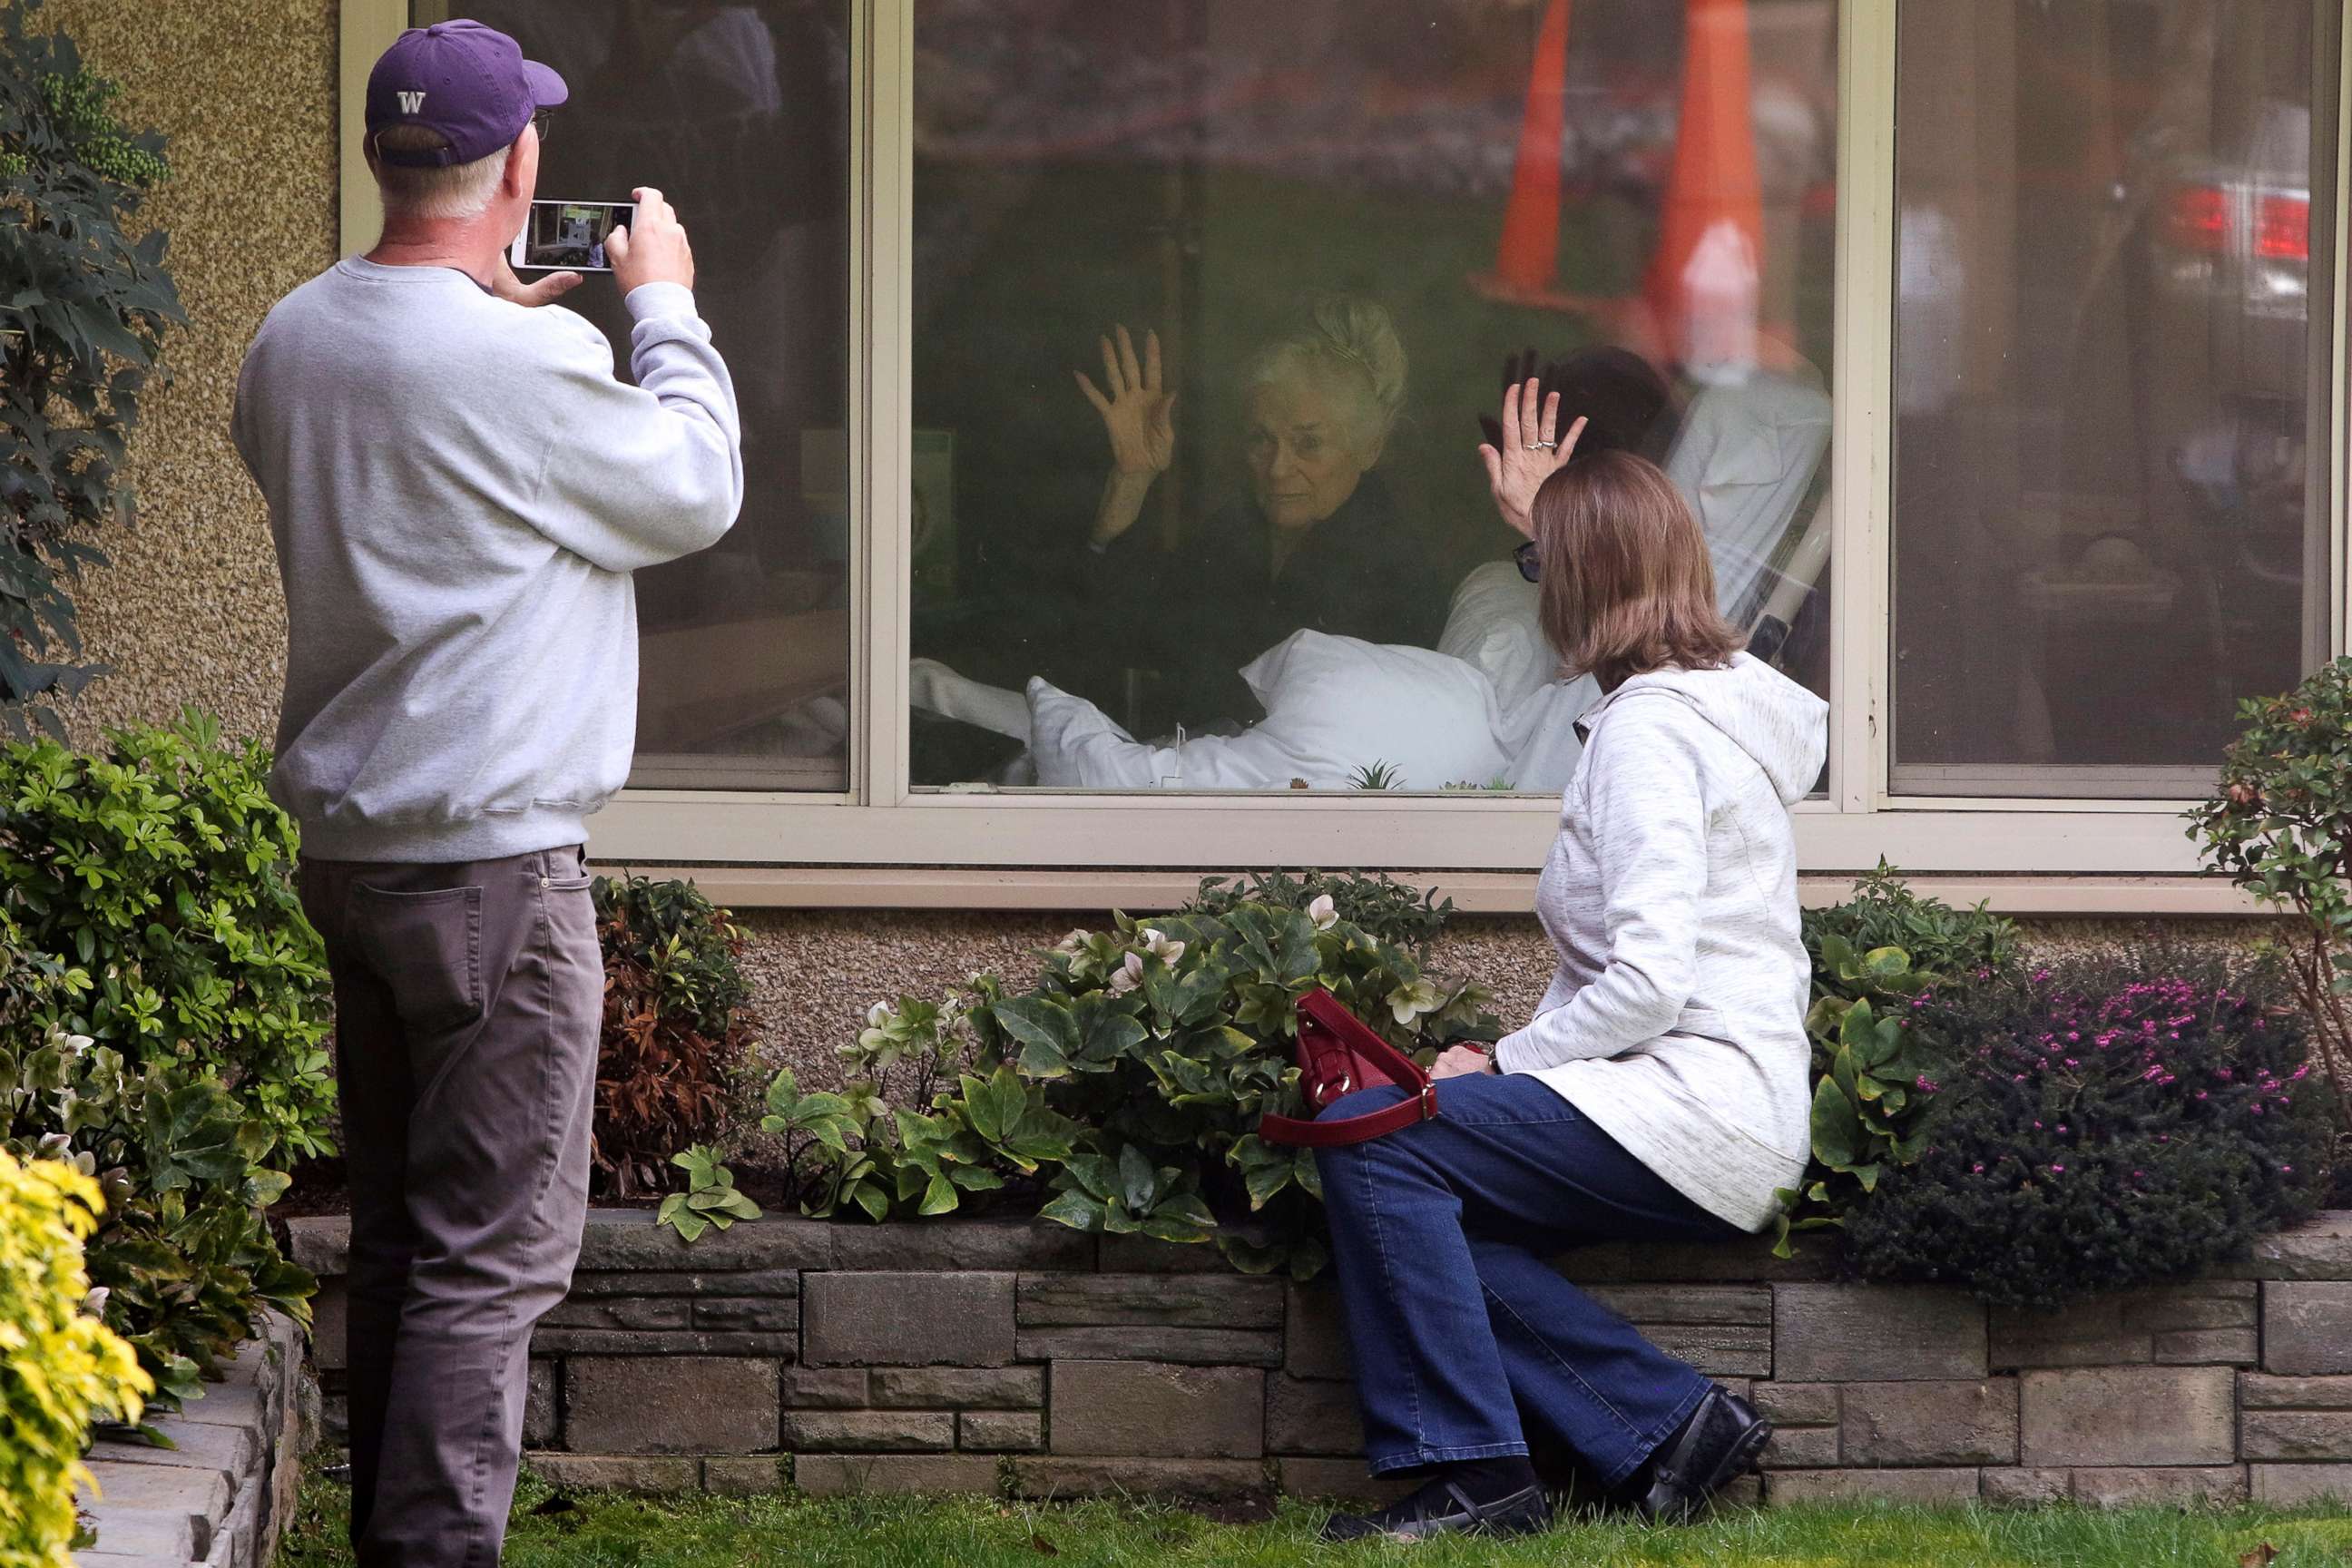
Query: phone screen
[570, 234]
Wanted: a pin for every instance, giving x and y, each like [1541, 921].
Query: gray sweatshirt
[1675, 1021]
[460, 487]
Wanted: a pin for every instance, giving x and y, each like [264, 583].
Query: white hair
[459, 191]
[1348, 341]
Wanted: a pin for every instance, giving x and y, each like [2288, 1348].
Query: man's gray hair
[459, 191]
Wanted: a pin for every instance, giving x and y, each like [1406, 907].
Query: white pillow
[1334, 707]
[1493, 627]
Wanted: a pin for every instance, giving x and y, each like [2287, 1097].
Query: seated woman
[1318, 544]
[1660, 1091]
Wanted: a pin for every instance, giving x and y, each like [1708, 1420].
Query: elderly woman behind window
[1317, 545]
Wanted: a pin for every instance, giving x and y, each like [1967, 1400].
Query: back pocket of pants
[427, 949]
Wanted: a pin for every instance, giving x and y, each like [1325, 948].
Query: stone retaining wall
[1026, 1357]
[220, 1495]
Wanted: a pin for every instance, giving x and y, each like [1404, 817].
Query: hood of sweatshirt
[1767, 715]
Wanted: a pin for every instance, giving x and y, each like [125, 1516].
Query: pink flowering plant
[2102, 1123]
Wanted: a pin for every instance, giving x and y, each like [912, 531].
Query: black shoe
[1721, 1440]
[1444, 1508]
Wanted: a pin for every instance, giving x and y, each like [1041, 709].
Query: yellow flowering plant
[61, 1368]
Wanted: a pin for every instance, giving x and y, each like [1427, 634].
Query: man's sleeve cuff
[660, 301]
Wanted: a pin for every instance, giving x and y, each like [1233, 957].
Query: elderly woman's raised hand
[1531, 451]
[1140, 420]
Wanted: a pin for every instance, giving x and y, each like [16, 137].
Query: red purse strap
[1363, 1129]
[1323, 1009]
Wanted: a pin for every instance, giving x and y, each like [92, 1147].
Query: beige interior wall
[190, 611]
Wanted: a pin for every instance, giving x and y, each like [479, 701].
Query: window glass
[1328, 229]
[738, 113]
[2110, 513]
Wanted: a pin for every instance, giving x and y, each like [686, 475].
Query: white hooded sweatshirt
[1675, 1022]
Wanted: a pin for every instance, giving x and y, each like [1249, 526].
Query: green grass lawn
[589, 1530]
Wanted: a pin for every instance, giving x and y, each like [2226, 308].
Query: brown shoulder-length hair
[1626, 583]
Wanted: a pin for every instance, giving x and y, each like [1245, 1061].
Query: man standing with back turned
[460, 487]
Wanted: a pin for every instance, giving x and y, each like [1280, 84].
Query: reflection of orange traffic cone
[1530, 251]
[1713, 182]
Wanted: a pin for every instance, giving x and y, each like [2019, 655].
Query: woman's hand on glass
[1138, 415]
[1461, 1061]
[1533, 449]
[1141, 419]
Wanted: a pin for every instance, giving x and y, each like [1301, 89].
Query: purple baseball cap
[467, 81]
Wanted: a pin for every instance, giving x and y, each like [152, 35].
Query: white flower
[1408, 1003]
[1070, 943]
[1128, 976]
[1323, 912]
[1161, 947]
[69, 1046]
[878, 1016]
[54, 1146]
[94, 1304]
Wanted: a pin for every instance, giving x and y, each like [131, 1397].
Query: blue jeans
[1458, 1326]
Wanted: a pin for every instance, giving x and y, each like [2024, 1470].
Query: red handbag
[1339, 1054]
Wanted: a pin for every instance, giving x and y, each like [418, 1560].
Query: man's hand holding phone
[652, 248]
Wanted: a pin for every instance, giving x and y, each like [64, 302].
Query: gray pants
[467, 1001]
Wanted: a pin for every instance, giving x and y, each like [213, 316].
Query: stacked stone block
[1026, 1358]
[220, 1494]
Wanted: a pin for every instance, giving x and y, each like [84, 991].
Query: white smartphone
[568, 235]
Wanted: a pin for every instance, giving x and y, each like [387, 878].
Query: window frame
[883, 843]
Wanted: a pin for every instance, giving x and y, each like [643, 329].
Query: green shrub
[675, 1028]
[82, 318]
[161, 1024]
[185, 1255]
[710, 1199]
[62, 1369]
[1878, 958]
[1122, 1090]
[1372, 901]
[2102, 1125]
[2279, 824]
[157, 879]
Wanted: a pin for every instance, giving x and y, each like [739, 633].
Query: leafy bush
[83, 316]
[709, 1200]
[1373, 901]
[2280, 825]
[63, 1369]
[185, 1255]
[675, 1026]
[155, 880]
[1123, 1089]
[1878, 959]
[2102, 1125]
[162, 1021]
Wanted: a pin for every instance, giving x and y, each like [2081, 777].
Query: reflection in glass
[2107, 529]
[737, 112]
[1210, 300]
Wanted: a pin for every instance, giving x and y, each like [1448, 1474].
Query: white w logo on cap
[409, 102]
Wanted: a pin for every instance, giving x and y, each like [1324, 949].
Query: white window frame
[882, 843]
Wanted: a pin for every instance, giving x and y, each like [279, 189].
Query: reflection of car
[2220, 251]
[2231, 249]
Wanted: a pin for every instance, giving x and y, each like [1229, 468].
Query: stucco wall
[190, 611]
